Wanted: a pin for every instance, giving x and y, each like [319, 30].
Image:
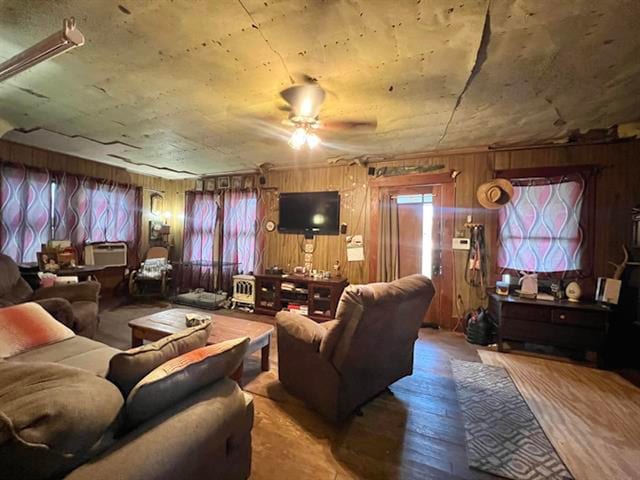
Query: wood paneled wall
[618, 189]
[173, 191]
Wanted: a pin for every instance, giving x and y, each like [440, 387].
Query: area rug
[503, 436]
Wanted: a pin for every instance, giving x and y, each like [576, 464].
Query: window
[545, 226]
[239, 229]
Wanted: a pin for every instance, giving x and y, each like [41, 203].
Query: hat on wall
[495, 194]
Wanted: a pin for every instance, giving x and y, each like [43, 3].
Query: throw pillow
[177, 378]
[52, 417]
[26, 326]
[129, 367]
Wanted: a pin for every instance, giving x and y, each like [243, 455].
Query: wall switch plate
[461, 243]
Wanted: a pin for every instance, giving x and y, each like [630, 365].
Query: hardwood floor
[416, 431]
[592, 417]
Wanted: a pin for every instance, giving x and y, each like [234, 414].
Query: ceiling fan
[304, 100]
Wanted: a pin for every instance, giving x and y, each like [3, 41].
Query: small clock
[270, 226]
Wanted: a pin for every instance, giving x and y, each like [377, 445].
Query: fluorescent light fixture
[66, 39]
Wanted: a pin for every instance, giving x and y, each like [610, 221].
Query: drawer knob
[562, 316]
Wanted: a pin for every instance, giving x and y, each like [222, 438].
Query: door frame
[379, 185]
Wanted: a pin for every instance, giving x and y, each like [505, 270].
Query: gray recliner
[337, 366]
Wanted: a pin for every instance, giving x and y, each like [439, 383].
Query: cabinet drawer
[527, 312]
[551, 334]
[577, 318]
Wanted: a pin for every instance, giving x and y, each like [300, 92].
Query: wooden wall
[173, 191]
[618, 189]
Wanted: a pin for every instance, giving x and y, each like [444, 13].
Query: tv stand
[316, 299]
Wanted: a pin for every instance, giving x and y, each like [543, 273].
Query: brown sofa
[206, 434]
[337, 366]
[75, 306]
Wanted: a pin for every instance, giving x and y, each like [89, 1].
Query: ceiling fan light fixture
[298, 138]
[312, 140]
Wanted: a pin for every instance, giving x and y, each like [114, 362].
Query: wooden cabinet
[572, 326]
[317, 299]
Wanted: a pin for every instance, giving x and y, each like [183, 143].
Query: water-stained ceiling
[176, 88]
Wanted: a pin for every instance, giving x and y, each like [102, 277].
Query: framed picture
[210, 185]
[157, 202]
[236, 182]
[155, 230]
[223, 183]
[248, 183]
[47, 261]
[199, 185]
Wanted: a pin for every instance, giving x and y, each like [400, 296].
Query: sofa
[74, 305]
[337, 366]
[205, 433]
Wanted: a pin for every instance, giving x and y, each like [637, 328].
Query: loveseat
[47, 373]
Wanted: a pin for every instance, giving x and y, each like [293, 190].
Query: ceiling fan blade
[284, 108]
[305, 100]
[301, 77]
[349, 124]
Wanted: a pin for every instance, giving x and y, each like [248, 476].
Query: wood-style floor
[592, 417]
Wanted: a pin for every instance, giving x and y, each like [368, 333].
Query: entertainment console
[317, 299]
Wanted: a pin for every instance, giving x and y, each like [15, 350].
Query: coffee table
[153, 327]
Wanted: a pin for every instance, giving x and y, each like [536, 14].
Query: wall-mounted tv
[311, 213]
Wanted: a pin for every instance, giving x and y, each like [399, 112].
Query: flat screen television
[311, 213]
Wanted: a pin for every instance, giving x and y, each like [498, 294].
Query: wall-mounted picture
[236, 182]
[210, 185]
[155, 231]
[157, 203]
[223, 183]
[199, 185]
[248, 183]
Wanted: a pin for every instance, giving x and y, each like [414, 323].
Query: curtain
[239, 229]
[25, 211]
[199, 236]
[93, 210]
[542, 228]
[388, 239]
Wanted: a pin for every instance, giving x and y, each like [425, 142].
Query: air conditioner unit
[107, 254]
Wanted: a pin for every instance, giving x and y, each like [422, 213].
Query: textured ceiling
[177, 84]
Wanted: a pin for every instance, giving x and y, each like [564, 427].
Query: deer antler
[617, 275]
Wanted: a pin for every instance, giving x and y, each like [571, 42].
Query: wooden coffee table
[153, 327]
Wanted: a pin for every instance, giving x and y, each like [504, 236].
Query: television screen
[316, 213]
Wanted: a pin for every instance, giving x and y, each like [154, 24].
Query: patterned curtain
[25, 211]
[239, 229]
[93, 210]
[199, 235]
[542, 228]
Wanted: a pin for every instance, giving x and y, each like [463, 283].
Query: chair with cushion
[74, 305]
[338, 365]
[155, 271]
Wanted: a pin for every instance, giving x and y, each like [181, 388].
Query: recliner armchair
[74, 305]
[337, 366]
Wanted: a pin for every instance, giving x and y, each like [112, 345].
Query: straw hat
[495, 194]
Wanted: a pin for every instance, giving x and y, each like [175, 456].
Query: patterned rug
[503, 436]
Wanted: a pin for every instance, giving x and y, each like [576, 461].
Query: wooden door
[410, 219]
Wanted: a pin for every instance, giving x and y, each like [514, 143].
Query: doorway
[425, 229]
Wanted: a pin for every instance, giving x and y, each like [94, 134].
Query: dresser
[580, 327]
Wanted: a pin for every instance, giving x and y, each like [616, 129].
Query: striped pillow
[177, 378]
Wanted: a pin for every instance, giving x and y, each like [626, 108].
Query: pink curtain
[200, 217]
[25, 211]
[540, 230]
[239, 229]
[92, 210]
